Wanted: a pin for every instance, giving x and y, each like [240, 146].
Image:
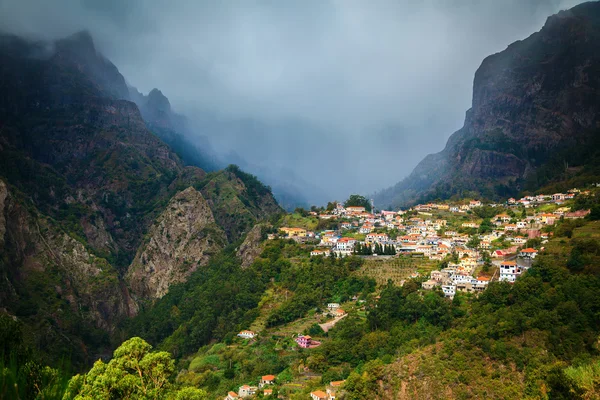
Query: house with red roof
[528, 253]
[318, 395]
[266, 380]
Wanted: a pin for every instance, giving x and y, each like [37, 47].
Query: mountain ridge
[530, 100]
[84, 179]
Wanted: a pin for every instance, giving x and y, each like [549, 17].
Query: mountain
[174, 129]
[534, 119]
[98, 215]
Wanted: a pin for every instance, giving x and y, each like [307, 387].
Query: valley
[137, 263]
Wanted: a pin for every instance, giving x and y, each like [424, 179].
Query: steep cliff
[251, 246]
[182, 238]
[535, 106]
[67, 296]
[90, 195]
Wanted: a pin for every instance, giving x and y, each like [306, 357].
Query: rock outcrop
[532, 102]
[182, 239]
[251, 246]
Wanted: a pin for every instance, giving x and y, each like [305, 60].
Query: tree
[135, 372]
[357, 200]
[474, 242]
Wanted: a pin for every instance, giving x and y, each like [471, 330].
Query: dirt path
[328, 325]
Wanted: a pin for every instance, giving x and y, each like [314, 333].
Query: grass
[397, 269]
[296, 220]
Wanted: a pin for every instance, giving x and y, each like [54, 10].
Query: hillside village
[471, 242]
[466, 244]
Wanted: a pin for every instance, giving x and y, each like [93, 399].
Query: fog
[332, 97]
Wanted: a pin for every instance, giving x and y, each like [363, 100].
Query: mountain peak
[81, 41]
[156, 100]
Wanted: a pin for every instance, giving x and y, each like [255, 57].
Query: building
[430, 284]
[528, 253]
[509, 271]
[266, 380]
[247, 334]
[231, 396]
[318, 395]
[304, 341]
[268, 392]
[339, 313]
[345, 244]
[355, 209]
[293, 232]
[246, 391]
[449, 290]
[317, 252]
[376, 238]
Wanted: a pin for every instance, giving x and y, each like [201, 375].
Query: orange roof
[320, 394]
[509, 263]
[268, 391]
[268, 378]
[336, 383]
[483, 278]
[529, 250]
[232, 394]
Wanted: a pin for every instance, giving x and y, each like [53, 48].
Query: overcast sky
[362, 89]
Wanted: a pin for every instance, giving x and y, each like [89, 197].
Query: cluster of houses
[249, 391]
[419, 233]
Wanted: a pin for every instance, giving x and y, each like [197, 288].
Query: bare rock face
[251, 248]
[182, 239]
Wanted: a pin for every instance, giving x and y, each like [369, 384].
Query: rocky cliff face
[83, 182]
[182, 239]
[53, 283]
[251, 246]
[530, 101]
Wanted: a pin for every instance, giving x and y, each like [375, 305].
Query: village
[455, 233]
[471, 243]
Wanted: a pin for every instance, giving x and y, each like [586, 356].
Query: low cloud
[348, 94]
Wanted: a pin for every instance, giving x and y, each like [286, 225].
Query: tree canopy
[356, 200]
[135, 372]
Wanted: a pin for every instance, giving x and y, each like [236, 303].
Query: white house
[318, 395]
[528, 253]
[509, 271]
[449, 290]
[318, 252]
[247, 334]
[246, 391]
[345, 244]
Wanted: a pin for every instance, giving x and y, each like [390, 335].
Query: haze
[325, 97]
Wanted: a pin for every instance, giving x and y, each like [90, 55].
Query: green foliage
[313, 283]
[215, 300]
[134, 372]
[357, 200]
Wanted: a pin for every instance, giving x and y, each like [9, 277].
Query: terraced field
[398, 269]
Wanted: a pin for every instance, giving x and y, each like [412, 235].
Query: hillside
[534, 119]
[85, 186]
